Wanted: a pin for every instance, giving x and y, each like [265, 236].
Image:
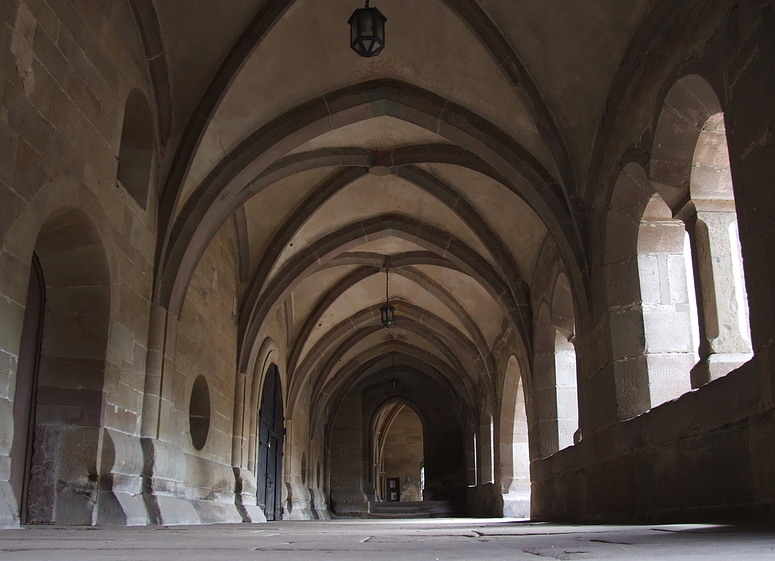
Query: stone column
[238, 438]
[724, 342]
[157, 331]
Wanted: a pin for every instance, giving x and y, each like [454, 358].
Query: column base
[715, 366]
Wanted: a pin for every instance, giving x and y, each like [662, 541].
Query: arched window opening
[472, 461]
[135, 156]
[398, 454]
[566, 392]
[567, 398]
[667, 302]
[690, 168]
[713, 226]
[487, 439]
[514, 445]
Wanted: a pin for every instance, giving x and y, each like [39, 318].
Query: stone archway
[26, 386]
[398, 453]
[60, 391]
[270, 446]
[514, 443]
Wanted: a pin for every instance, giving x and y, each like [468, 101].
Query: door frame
[25, 397]
[271, 439]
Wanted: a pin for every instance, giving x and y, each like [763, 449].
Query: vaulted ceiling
[454, 157]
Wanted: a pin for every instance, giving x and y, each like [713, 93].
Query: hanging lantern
[387, 312]
[367, 31]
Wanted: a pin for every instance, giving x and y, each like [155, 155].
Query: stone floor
[404, 540]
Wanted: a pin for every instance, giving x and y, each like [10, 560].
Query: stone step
[400, 515]
[414, 509]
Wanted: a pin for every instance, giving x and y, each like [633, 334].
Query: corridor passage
[402, 540]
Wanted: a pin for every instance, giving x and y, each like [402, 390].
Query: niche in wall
[199, 412]
[136, 152]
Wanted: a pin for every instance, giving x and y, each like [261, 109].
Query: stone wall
[699, 457]
[193, 486]
[702, 455]
[65, 73]
[114, 394]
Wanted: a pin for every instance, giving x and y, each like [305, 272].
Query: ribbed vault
[396, 167]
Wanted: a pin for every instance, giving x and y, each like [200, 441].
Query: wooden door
[393, 489]
[270, 446]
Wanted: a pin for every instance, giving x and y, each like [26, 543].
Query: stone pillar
[245, 496]
[667, 304]
[347, 495]
[544, 394]
[720, 288]
[160, 355]
[157, 327]
[238, 438]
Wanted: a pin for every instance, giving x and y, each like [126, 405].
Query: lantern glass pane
[367, 24]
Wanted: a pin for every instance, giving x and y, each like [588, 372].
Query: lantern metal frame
[367, 31]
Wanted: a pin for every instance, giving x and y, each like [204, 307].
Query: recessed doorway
[270, 446]
[399, 454]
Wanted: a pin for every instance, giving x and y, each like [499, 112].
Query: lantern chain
[387, 280]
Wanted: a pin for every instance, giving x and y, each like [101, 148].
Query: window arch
[514, 443]
[691, 171]
[564, 321]
[674, 269]
[668, 302]
[486, 446]
[555, 374]
[135, 155]
[472, 469]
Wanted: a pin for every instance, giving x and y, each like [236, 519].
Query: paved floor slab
[402, 540]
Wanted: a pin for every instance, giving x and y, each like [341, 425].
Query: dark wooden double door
[270, 446]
